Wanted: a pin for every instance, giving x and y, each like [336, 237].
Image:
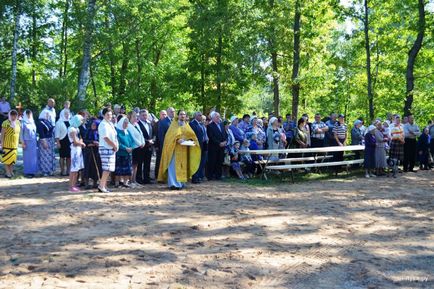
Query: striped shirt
[340, 130]
[397, 132]
[318, 125]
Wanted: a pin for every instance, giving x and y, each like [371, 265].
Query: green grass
[299, 177]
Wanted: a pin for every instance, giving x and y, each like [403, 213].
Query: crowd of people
[117, 146]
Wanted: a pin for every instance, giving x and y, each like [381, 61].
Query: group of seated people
[116, 146]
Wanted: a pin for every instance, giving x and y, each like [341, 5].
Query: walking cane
[96, 165]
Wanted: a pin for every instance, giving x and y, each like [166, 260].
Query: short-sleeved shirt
[5, 107]
[318, 125]
[340, 130]
[106, 129]
[397, 132]
[12, 134]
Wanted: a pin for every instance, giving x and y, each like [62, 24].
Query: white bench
[319, 154]
[290, 168]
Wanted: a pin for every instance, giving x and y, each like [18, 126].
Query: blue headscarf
[76, 121]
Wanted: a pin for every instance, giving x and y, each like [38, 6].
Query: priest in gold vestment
[179, 161]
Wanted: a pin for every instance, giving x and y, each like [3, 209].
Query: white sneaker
[367, 176]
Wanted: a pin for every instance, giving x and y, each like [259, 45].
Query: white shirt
[52, 113]
[60, 130]
[107, 129]
[5, 107]
[147, 126]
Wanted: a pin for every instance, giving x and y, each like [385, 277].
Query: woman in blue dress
[30, 145]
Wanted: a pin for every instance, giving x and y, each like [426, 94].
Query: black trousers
[215, 161]
[316, 142]
[410, 150]
[157, 162]
[144, 166]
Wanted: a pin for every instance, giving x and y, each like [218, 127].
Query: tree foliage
[235, 55]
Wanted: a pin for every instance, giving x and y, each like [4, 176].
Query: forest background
[363, 58]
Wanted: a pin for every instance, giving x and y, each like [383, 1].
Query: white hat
[371, 127]
[233, 118]
[273, 119]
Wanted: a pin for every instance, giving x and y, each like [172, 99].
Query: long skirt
[369, 159]
[9, 156]
[77, 163]
[30, 158]
[92, 164]
[47, 158]
[123, 165]
[171, 175]
[108, 159]
[396, 150]
[380, 158]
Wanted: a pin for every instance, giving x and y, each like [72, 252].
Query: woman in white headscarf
[62, 141]
[29, 143]
[46, 157]
[274, 137]
[9, 139]
[123, 155]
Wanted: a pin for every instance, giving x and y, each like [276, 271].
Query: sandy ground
[337, 233]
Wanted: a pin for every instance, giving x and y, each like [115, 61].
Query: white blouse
[107, 130]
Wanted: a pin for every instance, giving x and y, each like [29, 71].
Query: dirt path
[339, 233]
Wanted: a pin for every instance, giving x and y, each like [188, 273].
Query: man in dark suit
[216, 147]
[200, 130]
[163, 115]
[144, 168]
[163, 126]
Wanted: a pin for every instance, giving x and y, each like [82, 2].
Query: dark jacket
[216, 135]
[200, 133]
[145, 134]
[163, 127]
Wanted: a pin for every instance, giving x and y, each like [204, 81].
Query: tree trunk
[87, 47]
[93, 85]
[64, 41]
[274, 64]
[202, 82]
[124, 69]
[368, 61]
[34, 47]
[154, 87]
[139, 67]
[14, 51]
[276, 102]
[218, 71]
[295, 87]
[412, 54]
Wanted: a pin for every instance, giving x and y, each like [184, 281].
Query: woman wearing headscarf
[92, 161]
[179, 162]
[77, 146]
[62, 141]
[274, 138]
[29, 143]
[369, 161]
[10, 137]
[123, 155]
[46, 157]
[256, 128]
[380, 149]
